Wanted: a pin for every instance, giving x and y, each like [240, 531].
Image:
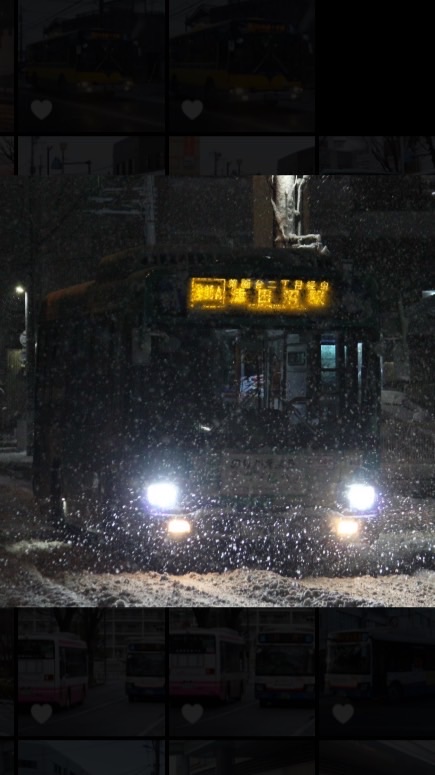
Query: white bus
[207, 663]
[380, 663]
[145, 668]
[52, 668]
[284, 665]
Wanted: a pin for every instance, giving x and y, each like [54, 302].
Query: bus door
[296, 369]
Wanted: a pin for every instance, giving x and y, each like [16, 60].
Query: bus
[284, 666]
[145, 668]
[380, 663]
[82, 61]
[211, 405]
[52, 668]
[241, 60]
[207, 663]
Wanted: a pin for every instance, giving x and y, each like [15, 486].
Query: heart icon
[41, 108]
[41, 713]
[192, 713]
[192, 108]
[343, 713]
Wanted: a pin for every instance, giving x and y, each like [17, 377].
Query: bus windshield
[276, 387]
[267, 54]
[348, 658]
[192, 644]
[105, 55]
[284, 660]
[143, 664]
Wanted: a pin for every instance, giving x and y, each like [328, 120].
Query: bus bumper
[89, 87]
[325, 522]
[270, 539]
[283, 95]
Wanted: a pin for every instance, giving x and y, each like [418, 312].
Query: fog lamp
[178, 526]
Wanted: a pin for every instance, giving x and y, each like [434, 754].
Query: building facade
[42, 759]
[136, 155]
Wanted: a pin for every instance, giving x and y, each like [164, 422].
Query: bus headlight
[347, 527]
[163, 495]
[361, 497]
[178, 527]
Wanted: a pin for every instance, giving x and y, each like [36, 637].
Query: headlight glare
[361, 496]
[163, 495]
[347, 527]
[178, 526]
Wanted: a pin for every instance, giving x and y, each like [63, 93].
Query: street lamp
[19, 289]
[24, 341]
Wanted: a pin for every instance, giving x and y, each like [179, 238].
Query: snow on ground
[36, 570]
[25, 586]
[253, 588]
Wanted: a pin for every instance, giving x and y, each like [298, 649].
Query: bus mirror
[140, 347]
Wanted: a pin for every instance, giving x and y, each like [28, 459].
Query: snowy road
[38, 571]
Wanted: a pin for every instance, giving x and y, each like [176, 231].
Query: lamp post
[26, 344]
[20, 290]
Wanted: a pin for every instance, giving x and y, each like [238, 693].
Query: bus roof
[93, 33]
[225, 23]
[148, 638]
[308, 626]
[387, 634]
[125, 262]
[57, 636]
[219, 632]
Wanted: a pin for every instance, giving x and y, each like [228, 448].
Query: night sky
[98, 149]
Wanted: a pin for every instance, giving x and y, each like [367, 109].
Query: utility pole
[33, 140]
[20, 26]
[49, 148]
[216, 156]
[150, 221]
[156, 752]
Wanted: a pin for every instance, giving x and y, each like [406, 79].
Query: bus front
[193, 665]
[38, 670]
[145, 670]
[258, 396]
[268, 60]
[349, 664]
[104, 61]
[284, 667]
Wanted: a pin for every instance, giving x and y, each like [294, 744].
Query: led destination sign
[288, 297]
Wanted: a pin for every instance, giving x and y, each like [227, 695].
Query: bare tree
[64, 617]
[391, 151]
[286, 200]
